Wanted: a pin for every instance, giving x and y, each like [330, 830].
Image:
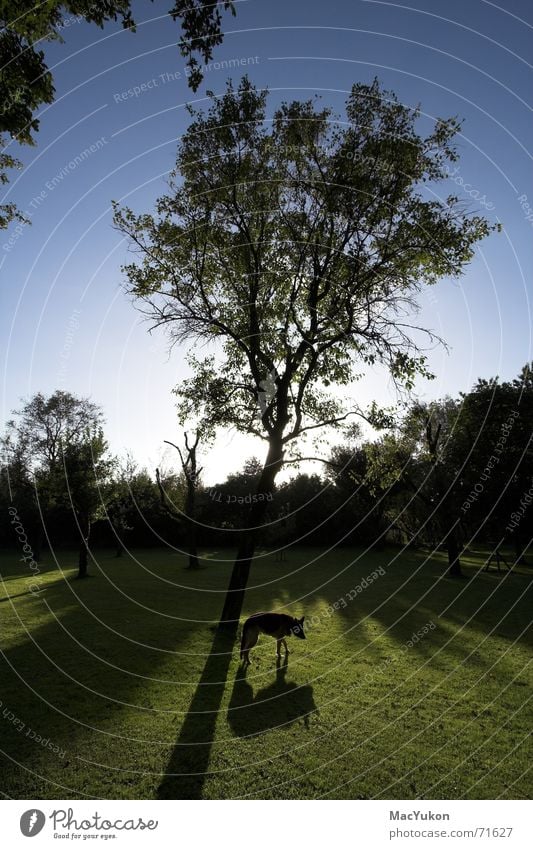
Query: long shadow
[11, 569]
[68, 695]
[412, 592]
[186, 770]
[16, 595]
[279, 704]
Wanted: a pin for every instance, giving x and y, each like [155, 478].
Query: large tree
[292, 248]
[26, 82]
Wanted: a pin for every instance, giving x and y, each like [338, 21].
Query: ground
[415, 686]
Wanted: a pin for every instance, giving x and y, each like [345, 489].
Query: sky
[112, 134]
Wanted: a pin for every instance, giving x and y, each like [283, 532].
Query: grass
[124, 676]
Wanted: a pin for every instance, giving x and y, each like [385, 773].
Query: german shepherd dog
[277, 625]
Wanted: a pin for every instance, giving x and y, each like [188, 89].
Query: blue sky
[65, 321]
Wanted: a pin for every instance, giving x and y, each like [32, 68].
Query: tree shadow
[279, 704]
[68, 677]
[13, 569]
[16, 595]
[414, 591]
[186, 770]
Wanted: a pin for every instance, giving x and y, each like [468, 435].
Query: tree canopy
[298, 244]
[57, 458]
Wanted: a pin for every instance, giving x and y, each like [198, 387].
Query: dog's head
[297, 628]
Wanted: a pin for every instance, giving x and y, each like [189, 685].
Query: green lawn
[120, 674]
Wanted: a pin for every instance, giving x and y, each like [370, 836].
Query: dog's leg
[278, 647]
[285, 646]
[250, 638]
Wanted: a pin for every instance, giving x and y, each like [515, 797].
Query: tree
[363, 494]
[44, 425]
[85, 484]
[26, 82]
[57, 443]
[306, 504]
[135, 507]
[458, 469]
[441, 464]
[17, 490]
[295, 248]
[191, 473]
[120, 501]
[227, 503]
[495, 436]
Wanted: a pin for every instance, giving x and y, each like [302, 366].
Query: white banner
[264, 825]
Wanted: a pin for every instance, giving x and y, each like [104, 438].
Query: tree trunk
[194, 563]
[454, 563]
[241, 568]
[190, 505]
[85, 526]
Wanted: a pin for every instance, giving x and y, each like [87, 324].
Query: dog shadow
[275, 706]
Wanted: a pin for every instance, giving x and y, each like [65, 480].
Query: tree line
[452, 473]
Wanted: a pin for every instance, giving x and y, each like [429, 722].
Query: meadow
[410, 685]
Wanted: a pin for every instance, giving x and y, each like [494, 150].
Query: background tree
[495, 435]
[297, 247]
[459, 468]
[140, 514]
[173, 494]
[361, 494]
[17, 490]
[191, 472]
[119, 506]
[47, 439]
[230, 499]
[439, 465]
[26, 82]
[308, 512]
[86, 485]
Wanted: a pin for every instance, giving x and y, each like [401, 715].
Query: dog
[277, 625]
